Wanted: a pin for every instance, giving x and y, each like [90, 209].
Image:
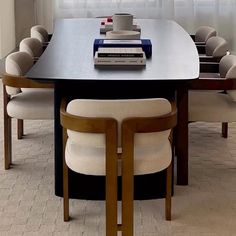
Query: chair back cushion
[32, 46]
[119, 109]
[17, 64]
[203, 33]
[228, 70]
[216, 47]
[40, 33]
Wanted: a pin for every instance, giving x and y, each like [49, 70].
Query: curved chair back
[216, 47]
[32, 46]
[227, 69]
[119, 110]
[93, 132]
[40, 33]
[203, 33]
[17, 64]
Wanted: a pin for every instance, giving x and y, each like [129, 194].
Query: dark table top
[69, 55]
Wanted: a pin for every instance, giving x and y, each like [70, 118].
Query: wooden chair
[23, 99]
[100, 137]
[32, 46]
[203, 33]
[212, 98]
[216, 47]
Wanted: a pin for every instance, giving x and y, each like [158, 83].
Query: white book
[119, 60]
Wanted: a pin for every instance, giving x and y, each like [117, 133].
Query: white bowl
[123, 34]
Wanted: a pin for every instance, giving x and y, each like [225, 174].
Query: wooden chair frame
[129, 127]
[16, 82]
[214, 84]
[109, 126]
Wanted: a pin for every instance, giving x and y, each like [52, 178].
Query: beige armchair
[118, 137]
[203, 33]
[212, 98]
[216, 47]
[23, 98]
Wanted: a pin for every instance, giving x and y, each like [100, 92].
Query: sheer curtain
[188, 13]
[44, 13]
[93, 8]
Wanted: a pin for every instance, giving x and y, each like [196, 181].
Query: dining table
[68, 62]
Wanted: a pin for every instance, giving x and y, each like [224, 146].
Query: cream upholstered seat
[40, 33]
[216, 47]
[203, 33]
[23, 98]
[111, 151]
[32, 105]
[32, 46]
[152, 154]
[215, 106]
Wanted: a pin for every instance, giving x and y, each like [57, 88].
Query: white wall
[25, 18]
[7, 27]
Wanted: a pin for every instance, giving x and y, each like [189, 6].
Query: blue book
[145, 44]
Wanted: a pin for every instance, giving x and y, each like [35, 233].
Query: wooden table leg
[182, 136]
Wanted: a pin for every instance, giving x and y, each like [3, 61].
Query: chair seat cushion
[91, 160]
[32, 105]
[211, 107]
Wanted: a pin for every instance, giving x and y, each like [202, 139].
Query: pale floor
[207, 206]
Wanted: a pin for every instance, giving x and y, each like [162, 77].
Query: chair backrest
[227, 69]
[216, 47]
[32, 46]
[119, 110]
[17, 64]
[203, 33]
[40, 33]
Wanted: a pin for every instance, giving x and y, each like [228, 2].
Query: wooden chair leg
[111, 183]
[111, 200]
[225, 130]
[20, 128]
[7, 132]
[65, 181]
[127, 196]
[168, 192]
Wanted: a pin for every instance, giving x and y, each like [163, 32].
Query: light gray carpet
[206, 207]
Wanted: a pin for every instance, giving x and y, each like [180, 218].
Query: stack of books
[120, 56]
[145, 44]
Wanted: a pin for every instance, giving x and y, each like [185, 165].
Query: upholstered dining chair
[203, 33]
[216, 47]
[212, 98]
[40, 33]
[117, 137]
[24, 99]
[32, 46]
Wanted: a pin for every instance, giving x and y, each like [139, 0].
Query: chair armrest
[213, 84]
[23, 82]
[209, 67]
[200, 43]
[209, 59]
